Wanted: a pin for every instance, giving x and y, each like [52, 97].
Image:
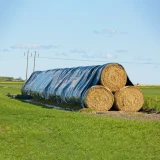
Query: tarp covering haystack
[97, 87]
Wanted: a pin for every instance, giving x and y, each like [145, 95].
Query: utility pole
[27, 65]
[34, 66]
[34, 61]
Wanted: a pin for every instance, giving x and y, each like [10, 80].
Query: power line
[84, 60]
[89, 60]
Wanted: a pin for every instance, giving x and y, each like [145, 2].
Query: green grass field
[29, 131]
[152, 97]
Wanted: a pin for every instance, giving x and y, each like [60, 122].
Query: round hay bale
[113, 76]
[99, 98]
[129, 99]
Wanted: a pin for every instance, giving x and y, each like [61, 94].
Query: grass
[152, 97]
[30, 131]
[151, 91]
[11, 83]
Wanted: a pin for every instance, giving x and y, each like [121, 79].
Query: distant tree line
[10, 79]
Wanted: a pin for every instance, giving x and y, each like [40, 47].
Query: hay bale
[113, 76]
[129, 99]
[99, 98]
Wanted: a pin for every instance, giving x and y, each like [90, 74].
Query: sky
[72, 33]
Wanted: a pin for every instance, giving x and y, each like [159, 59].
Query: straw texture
[113, 76]
[128, 98]
[99, 98]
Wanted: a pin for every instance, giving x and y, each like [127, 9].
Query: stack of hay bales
[97, 87]
[113, 92]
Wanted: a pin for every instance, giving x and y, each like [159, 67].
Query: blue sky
[91, 32]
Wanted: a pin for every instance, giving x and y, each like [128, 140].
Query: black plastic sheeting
[64, 86]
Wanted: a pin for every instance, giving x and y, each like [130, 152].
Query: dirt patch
[127, 115]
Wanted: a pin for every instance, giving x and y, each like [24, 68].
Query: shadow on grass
[47, 104]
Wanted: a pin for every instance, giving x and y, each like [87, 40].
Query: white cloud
[105, 31]
[78, 50]
[82, 52]
[96, 32]
[32, 46]
[141, 58]
[4, 50]
[61, 54]
[108, 56]
[87, 56]
[109, 32]
[121, 51]
[124, 32]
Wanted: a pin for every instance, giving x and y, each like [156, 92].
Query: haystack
[68, 86]
[99, 98]
[129, 99]
[113, 76]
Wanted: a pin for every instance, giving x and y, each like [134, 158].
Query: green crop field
[29, 131]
